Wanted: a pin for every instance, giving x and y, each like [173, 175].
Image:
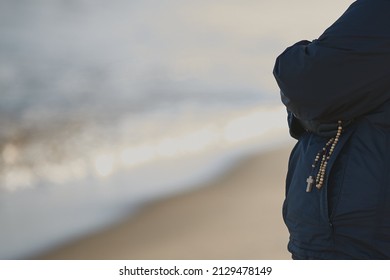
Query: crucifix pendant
[309, 182]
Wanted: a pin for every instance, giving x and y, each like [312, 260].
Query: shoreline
[236, 216]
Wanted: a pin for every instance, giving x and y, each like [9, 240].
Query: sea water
[107, 105]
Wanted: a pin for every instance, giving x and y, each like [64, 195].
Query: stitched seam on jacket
[332, 212]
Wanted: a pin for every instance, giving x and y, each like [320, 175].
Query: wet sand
[237, 216]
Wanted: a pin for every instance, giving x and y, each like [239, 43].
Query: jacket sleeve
[343, 74]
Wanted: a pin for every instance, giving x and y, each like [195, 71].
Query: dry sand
[237, 216]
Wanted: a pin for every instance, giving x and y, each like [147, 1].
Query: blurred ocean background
[108, 105]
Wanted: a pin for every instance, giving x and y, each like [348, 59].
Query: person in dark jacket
[337, 93]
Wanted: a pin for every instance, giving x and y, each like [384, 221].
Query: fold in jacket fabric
[343, 75]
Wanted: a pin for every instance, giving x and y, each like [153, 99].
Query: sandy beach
[237, 216]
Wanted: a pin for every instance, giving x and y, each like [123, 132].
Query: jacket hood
[343, 74]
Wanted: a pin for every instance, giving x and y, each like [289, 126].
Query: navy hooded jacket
[343, 75]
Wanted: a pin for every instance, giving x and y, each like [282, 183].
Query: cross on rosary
[310, 182]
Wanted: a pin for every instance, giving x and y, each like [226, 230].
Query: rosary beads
[324, 155]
